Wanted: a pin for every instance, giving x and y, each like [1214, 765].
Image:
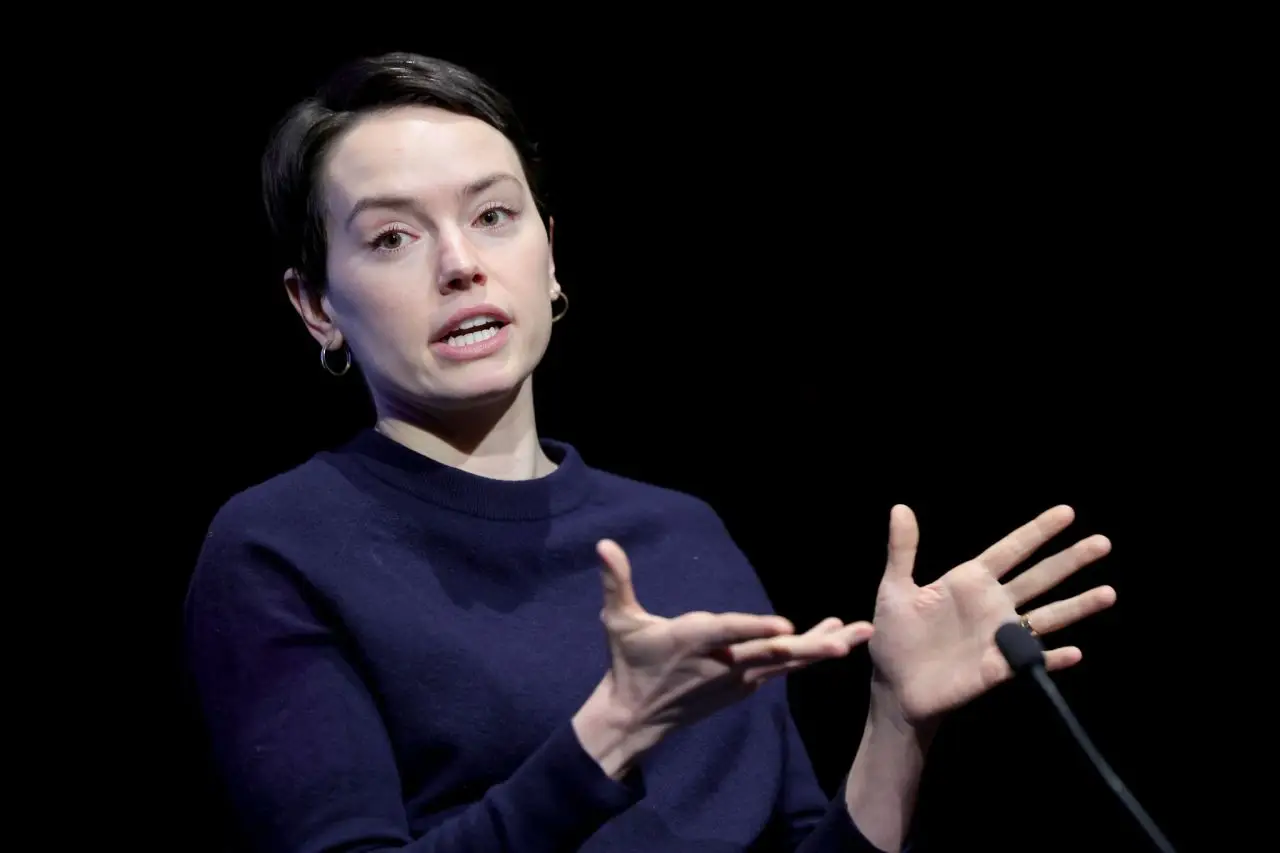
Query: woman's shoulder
[676, 510]
[619, 488]
[300, 494]
[698, 550]
[275, 531]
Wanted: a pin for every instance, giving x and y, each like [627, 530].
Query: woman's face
[440, 272]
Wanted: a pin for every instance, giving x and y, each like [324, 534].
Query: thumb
[904, 539]
[619, 595]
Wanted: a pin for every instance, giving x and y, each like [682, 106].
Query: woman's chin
[478, 393]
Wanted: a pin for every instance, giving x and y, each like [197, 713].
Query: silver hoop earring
[556, 318]
[324, 360]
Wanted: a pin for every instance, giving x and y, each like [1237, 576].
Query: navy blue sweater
[388, 652]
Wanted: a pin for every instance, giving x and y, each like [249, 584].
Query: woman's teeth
[471, 337]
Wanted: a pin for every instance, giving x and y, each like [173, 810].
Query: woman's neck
[499, 441]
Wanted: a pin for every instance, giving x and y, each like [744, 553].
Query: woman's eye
[493, 217]
[390, 241]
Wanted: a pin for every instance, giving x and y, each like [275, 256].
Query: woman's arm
[854, 821]
[810, 821]
[311, 767]
[880, 792]
[303, 748]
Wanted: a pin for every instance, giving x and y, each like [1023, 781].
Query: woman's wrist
[880, 792]
[611, 734]
[886, 715]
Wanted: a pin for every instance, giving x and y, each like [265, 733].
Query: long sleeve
[804, 819]
[302, 747]
[810, 822]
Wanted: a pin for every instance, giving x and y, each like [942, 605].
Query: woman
[397, 643]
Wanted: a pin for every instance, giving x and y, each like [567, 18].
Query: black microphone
[1025, 655]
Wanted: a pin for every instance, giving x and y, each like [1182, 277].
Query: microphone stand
[1025, 654]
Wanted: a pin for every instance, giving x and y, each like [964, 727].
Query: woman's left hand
[934, 646]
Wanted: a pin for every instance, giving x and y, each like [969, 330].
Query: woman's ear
[313, 308]
[551, 248]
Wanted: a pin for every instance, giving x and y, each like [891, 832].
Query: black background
[964, 274]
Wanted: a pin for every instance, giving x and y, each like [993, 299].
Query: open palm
[934, 645]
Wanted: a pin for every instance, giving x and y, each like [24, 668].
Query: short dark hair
[295, 156]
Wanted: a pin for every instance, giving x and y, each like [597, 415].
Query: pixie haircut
[293, 163]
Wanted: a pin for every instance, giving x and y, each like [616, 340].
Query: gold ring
[1026, 623]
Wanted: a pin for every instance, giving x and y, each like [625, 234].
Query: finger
[904, 540]
[1051, 571]
[1061, 658]
[769, 649]
[1018, 545]
[818, 644]
[1060, 614]
[829, 638]
[761, 674]
[996, 669]
[709, 631]
[851, 637]
[615, 574]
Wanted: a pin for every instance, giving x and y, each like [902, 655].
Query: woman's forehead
[416, 150]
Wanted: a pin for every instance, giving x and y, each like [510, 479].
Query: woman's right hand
[667, 673]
